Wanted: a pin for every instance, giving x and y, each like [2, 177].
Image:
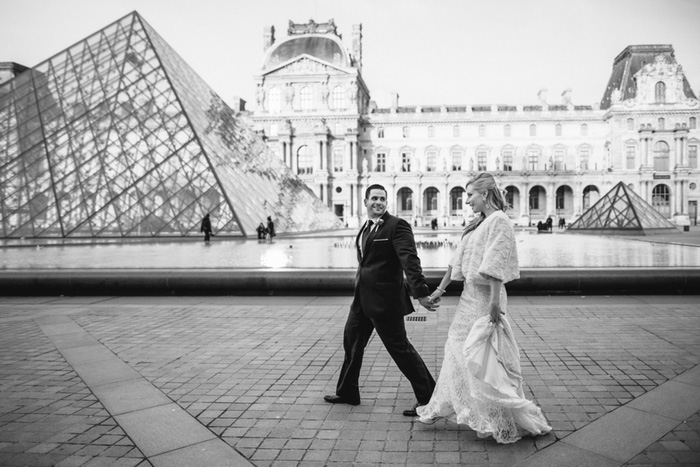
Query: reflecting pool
[534, 251]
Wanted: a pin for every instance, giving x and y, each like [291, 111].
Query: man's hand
[428, 304]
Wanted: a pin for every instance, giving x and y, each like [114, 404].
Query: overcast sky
[431, 52]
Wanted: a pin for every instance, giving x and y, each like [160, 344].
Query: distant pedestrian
[271, 228]
[262, 231]
[206, 227]
[562, 223]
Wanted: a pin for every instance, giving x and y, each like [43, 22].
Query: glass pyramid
[621, 211]
[117, 136]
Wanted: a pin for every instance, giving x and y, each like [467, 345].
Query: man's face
[376, 203]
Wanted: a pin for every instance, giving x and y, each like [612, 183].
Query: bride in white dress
[480, 383]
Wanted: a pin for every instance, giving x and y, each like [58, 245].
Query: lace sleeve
[456, 261]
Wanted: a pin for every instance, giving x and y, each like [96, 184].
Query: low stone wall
[540, 281]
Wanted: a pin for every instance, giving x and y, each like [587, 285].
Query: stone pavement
[235, 381]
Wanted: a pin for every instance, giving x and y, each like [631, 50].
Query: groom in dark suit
[385, 250]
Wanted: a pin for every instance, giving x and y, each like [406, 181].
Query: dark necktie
[365, 234]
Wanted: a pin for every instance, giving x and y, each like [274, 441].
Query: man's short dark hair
[376, 186]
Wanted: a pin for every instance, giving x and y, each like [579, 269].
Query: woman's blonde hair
[484, 184]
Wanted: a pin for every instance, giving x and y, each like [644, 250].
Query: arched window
[380, 132]
[405, 199]
[584, 129]
[274, 102]
[510, 197]
[482, 130]
[456, 200]
[306, 98]
[431, 131]
[536, 193]
[661, 122]
[560, 201]
[661, 153]
[506, 130]
[304, 160]
[338, 98]
[590, 196]
[455, 131]
[630, 124]
[660, 92]
[406, 132]
[661, 200]
[557, 129]
[533, 130]
[693, 123]
[431, 199]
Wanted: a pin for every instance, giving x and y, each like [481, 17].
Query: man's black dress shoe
[333, 399]
[412, 411]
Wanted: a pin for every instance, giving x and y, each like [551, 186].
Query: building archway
[661, 156]
[430, 203]
[661, 200]
[564, 202]
[513, 201]
[537, 202]
[456, 205]
[404, 203]
[591, 195]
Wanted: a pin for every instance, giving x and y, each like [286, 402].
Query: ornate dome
[324, 47]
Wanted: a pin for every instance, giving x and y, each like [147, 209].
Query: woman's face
[475, 199]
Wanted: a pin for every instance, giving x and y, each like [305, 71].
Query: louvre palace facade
[314, 110]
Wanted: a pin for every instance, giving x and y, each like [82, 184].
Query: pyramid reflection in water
[118, 137]
[621, 212]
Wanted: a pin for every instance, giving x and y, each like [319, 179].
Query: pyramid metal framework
[621, 211]
[117, 136]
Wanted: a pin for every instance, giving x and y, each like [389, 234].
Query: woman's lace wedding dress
[480, 383]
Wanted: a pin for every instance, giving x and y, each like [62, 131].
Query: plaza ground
[235, 381]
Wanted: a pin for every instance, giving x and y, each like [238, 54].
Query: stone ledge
[159, 282]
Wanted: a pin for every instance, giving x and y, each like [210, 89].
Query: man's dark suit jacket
[380, 288]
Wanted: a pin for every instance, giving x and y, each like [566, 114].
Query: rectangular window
[380, 166]
[583, 156]
[559, 159]
[456, 160]
[630, 156]
[431, 131]
[405, 162]
[482, 131]
[431, 158]
[481, 161]
[584, 130]
[693, 156]
[507, 161]
[533, 157]
[455, 131]
[380, 133]
[338, 160]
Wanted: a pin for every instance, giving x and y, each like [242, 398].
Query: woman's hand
[435, 296]
[496, 313]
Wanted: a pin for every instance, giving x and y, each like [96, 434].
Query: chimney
[394, 100]
[268, 37]
[566, 97]
[238, 104]
[357, 44]
[542, 96]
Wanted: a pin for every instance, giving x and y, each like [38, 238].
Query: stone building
[554, 159]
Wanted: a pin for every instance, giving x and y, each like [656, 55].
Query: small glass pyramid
[117, 136]
[621, 211]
